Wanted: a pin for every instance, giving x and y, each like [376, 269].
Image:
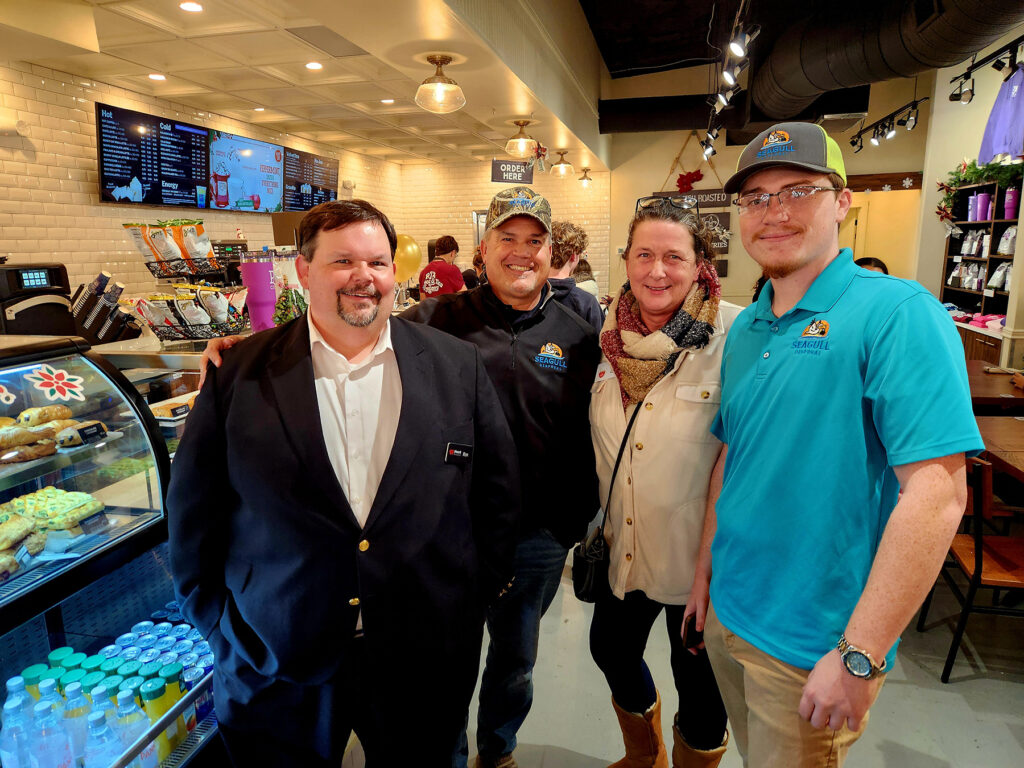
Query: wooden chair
[988, 562]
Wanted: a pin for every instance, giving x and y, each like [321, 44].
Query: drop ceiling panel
[293, 125]
[113, 29]
[372, 68]
[97, 65]
[172, 88]
[260, 48]
[219, 17]
[327, 40]
[296, 72]
[324, 111]
[282, 97]
[356, 124]
[223, 103]
[231, 79]
[172, 56]
[351, 92]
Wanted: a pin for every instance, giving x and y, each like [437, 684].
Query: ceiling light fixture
[439, 93]
[191, 7]
[585, 179]
[906, 117]
[156, 76]
[314, 65]
[742, 39]
[890, 130]
[857, 142]
[258, 109]
[709, 149]
[875, 136]
[387, 101]
[562, 167]
[912, 117]
[957, 92]
[522, 144]
[998, 65]
[712, 133]
[732, 74]
[968, 92]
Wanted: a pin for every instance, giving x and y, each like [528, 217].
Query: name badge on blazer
[458, 454]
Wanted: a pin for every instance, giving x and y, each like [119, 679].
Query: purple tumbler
[1012, 203]
[981, 209]
[258, 277]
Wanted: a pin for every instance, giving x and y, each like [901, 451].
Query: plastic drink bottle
[48, 692]
[16, 690]
[32, 676]
[50, 748]
[156, 700]
[132, 723]
[171, 675]
[15, 740]
[76, 710]
[102, 746]
[102, 700]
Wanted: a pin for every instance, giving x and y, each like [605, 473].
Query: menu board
[151, 160]
[308, 180]
[245, 174]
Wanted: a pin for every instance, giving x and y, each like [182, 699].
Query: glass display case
[83, 469]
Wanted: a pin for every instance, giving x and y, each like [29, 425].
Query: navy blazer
[269, 561]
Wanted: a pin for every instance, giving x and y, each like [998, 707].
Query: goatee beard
[359, 319]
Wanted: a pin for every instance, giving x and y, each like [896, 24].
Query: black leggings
[618, 638]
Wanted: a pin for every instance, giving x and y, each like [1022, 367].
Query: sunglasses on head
[685, 202]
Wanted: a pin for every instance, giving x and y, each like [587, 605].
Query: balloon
[407, 258]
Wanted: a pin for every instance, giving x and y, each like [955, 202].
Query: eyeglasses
[790, 198]
[686, 202]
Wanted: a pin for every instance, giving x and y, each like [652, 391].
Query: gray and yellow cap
[798, 145]
[518, 201]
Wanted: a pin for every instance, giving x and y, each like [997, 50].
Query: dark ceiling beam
[667, 113]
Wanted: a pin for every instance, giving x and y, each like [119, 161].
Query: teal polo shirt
[864, 374]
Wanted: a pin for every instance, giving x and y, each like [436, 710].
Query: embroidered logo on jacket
[551, 356]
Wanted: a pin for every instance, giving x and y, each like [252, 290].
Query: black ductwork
[860, 44]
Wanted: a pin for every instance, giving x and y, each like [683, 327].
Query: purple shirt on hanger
[1004, 133]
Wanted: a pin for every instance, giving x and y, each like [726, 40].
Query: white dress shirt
[359, 409]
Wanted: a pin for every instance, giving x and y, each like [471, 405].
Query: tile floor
[976, 721]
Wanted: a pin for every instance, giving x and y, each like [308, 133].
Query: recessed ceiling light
[156, 76]
[387, 101]
[191, 7]
[314, 65]
[257, 109]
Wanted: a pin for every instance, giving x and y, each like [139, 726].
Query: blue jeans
[513, 623]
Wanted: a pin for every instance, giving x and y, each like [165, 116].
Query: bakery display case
[83, 468]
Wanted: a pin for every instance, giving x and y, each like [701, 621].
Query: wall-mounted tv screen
[308, 180]
[151, 160]
[245, 174]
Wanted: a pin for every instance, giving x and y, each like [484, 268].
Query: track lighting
[905, 117]
[968, 93]
[709, 148]
[857, 142]
[890, 130]
[998, 65]
[712, 133]
[874, 137]
[742, 40]
[732, 74]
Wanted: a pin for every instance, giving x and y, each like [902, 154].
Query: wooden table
[991, 393]
[1004, 443]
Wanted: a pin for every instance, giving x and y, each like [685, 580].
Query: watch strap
[845, 647]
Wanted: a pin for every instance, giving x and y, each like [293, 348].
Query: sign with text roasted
[706, 198]
[511, 172]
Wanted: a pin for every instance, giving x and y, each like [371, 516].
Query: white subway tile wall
[49, 185]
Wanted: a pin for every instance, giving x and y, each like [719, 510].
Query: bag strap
[618, 460]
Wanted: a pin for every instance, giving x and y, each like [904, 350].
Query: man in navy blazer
[342, 583]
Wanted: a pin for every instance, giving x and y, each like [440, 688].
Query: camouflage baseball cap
[518, 201]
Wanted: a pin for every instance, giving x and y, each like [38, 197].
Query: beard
[779, 271]
[362, 317]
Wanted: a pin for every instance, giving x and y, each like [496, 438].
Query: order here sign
[511, 172]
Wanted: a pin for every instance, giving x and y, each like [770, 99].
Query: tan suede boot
[685, 756]
[642, 736]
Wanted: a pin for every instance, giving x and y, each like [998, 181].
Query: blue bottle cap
[109, 651]
[162, 628]
[148, 655]
[143, 627]
[180, 631]
[188, 660]
[167, 658]
[146, 641]
[164, 643]
[182, 646]
[127, 639]
[131, 654]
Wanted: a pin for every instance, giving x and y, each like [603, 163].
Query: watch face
[857, 663]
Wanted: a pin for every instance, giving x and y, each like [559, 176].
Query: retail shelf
[982, 331]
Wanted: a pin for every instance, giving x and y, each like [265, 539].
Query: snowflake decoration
[887, 187]
[6, 397]
[56, 384]
[908, 182]
[867, 191]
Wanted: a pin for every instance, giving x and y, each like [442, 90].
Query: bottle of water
[15, 740]
[48, 692]
[15, 689]
[101, 703]
[132, 723]
[76, 710]
[102, 747]
[50, 748]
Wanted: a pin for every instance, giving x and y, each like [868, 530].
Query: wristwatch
[857, 661]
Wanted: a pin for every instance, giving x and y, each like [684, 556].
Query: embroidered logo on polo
[776, 143]
[814, 339]
[551, 356]
[431, 283]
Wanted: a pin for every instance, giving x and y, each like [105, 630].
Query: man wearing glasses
[818, 565]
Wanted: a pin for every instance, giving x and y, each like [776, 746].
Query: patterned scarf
[641, 358]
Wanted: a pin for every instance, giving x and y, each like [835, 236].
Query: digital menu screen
[245, 174]
[151, 160]
[308, 180]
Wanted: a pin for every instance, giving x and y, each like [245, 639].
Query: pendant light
[585, 179]
[563, 168]
[439, 93]
[522, 144]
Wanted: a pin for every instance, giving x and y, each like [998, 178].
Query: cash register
[35, 299]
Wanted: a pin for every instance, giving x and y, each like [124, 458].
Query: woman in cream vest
[662, 343]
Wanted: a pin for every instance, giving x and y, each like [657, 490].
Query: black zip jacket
[542, 364]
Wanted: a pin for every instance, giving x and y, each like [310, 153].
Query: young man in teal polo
[840, 388]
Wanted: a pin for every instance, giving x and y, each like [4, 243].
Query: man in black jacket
[342, 507]
[542, 358]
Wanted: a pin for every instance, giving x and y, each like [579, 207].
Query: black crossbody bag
[590, 556]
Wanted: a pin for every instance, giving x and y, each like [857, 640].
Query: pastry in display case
[82, 466]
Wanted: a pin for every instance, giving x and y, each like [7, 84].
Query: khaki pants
[762, 699]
